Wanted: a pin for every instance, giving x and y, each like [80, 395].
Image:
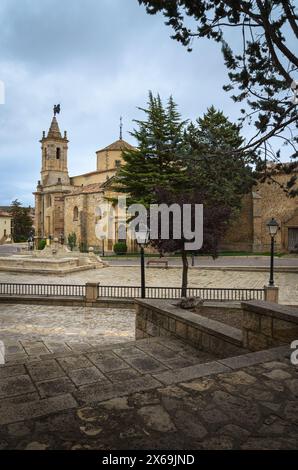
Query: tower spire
[121, 127]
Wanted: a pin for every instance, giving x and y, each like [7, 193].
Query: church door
[293, 239]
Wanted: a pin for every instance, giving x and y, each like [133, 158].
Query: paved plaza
[157, 394]
[130, 275]
[75, 378]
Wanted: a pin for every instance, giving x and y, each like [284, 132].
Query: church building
[65, 204]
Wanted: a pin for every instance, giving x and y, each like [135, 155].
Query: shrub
[41, 244]
[120, 248]
[72, 240]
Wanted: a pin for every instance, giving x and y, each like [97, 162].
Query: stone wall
[162, 318]
[249, 231]
[267, 324]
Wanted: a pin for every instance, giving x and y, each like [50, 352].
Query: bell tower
[54, 183]
[54, 155]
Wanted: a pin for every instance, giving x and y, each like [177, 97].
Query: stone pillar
[271, 294]
[91, 291]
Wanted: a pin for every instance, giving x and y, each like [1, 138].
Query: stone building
[250, 233]
[66, 204]
[5, 226]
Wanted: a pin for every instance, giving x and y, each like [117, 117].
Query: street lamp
[103, 237]
[272, 228]
[142, 236]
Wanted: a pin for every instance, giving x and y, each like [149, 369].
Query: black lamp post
[103, 237]
[273, 228]
[142, 237]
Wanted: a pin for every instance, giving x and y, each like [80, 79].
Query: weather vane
[56, 109]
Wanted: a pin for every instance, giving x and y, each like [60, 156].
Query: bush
[83, 247]
[120, 248]
[72, 240]
[41, 244]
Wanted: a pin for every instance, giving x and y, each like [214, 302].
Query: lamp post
[142, 237]
[103, 237]
[272, 228]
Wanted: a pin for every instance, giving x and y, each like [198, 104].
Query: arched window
[58, 153]
[75, 213]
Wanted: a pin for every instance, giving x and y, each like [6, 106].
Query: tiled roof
[88, 189]
[5, 214]
[118, 145]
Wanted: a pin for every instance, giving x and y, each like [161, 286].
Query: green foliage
[21, 221]
[41, 244]
[72, 240]
[260, 57]
[213, 165]
[83, 247]
[120, 248]
[157, 162]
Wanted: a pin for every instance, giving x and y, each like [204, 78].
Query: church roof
[5, 214]
[118, 145]
[54, 131]
[88, 189]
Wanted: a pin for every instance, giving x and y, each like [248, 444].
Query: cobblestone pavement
[149, 394]
[93, 326]
[287, 282]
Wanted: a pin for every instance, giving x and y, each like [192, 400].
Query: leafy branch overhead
[260, 56]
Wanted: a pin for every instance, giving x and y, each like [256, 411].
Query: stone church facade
[66, 204]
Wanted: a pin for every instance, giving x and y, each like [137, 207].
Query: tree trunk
[184, 274]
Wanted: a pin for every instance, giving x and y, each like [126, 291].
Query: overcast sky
[98, 58]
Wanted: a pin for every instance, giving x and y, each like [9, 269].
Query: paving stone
[156, 418]
[55, 347]
[18, 385]
[108, 364]
[24, 398]
[10, 371]
[101, 392]
[124, 374]
[128, 352]
[36, 348]
[18, 358]
[189, 373]
[85, 376]
[18, 429]
[189, 424]
[199, 385]
[158, 351]
[55, 387]
[146, 364]
[117, 404]
[234, 431]
[45, 370]
[79, 346]
[214, 415]
[180, 362]
[237, 378]
[246, 360]
[74, 362]
[14, 348]
[278, 374]
[31, 410]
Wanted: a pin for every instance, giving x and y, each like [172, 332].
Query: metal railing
[129, 292]
[208, 293]
[42, 290]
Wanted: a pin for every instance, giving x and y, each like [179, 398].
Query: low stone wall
[266, 324]
[162, 318]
